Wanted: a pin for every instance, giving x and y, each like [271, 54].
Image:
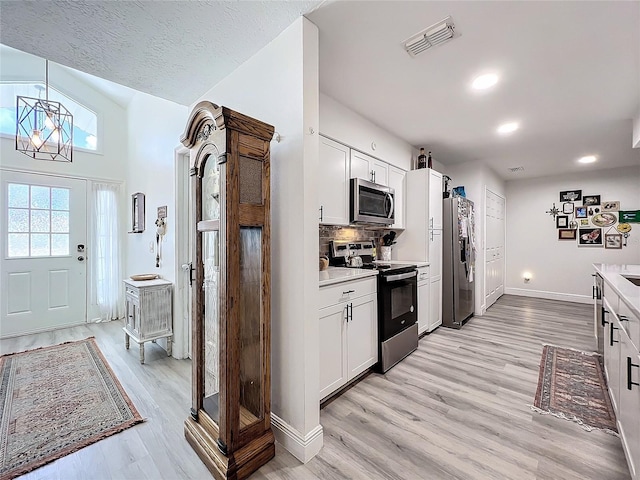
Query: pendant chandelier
[44, 128]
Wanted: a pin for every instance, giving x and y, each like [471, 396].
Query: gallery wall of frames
[591, 222]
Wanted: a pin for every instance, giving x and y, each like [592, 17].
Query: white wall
[475, 176]
[636, 131]
[561, 269]
[109, 162]
[155, 126]
[279, 85]
[343, 125]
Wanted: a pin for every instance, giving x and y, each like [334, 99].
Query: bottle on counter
[422, 159]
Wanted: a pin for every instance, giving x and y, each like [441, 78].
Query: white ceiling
[570, 71]
[175, 50]
[570, 74]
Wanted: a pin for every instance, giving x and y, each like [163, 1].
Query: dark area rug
[55, 401]
[571, 385]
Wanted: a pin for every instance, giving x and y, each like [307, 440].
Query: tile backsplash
[356, 233]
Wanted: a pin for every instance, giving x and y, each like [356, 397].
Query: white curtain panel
[105, 258]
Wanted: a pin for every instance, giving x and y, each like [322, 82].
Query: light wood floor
[458, 407]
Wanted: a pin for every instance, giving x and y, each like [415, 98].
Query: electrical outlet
[152, 247]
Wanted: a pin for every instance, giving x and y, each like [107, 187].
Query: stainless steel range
[397, 299]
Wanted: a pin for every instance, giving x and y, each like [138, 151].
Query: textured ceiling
[171, 49]
[570, 74]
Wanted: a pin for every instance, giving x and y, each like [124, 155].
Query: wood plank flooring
[457, 408]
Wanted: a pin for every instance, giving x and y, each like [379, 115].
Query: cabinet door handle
[630, 383]
[593, 292]
[611, 340]
[348, 292]
[604, 314]
[349, 307]
[321, 212]
[623, 318]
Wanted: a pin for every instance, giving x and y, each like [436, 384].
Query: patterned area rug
[55, 401]
[571, 385]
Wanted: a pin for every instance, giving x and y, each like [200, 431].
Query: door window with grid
[38, 221]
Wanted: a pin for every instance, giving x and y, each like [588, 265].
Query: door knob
[81, 258]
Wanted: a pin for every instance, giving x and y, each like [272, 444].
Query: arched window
[85, 122]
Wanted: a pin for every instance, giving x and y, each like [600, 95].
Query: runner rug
[55, 401]
[571, 385]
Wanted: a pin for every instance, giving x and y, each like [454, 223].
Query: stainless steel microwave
[371, 203]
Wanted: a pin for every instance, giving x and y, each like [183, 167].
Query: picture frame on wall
[613, 241]
[590, 237]
[562, 221]
[566, 234]
[629, 216]
[591, 200]
[567, 207]
[610, 206]
[584, 222]
[581, 212]
[570, 195]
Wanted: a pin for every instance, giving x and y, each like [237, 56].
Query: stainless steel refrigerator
[458, 261]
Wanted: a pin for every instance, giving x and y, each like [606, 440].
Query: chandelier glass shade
[44, 128]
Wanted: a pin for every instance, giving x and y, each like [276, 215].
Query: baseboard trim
[567, 297]
[303, 447]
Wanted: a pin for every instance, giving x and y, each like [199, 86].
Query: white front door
[42, 253]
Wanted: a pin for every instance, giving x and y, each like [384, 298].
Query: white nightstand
[148, 313]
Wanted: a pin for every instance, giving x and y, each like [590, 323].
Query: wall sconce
[527, 277]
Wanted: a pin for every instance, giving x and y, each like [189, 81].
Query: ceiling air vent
[516, 169]
[436, 34]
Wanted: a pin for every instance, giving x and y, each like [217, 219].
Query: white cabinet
[622, 369]
[333, 182]
[396, 181]
[435, 305]
[362, 335]
[612, 354]
[629, 403]
[348, 332]
[424, 299]
[369, 168]
[148, 313]
[435, 199]
[333, 349]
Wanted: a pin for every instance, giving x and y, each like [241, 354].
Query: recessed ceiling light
[483, 82]
[507, 128]
[588, 159]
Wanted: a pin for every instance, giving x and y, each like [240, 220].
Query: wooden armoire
[230, 422]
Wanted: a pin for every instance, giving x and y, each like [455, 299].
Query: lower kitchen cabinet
[612, 354]
[435, 305]
[622, 369]
[348, 335]
[629, 403]
[424, 299]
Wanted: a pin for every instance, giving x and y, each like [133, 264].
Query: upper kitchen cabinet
[334, 183]
[369, 168]
[396, 181]
[435, 200]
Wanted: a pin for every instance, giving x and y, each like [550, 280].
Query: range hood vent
[436, 34]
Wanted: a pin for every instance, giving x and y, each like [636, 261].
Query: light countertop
[627, 291]
[343, 274]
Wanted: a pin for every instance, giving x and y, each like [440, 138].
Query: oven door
[371, 203]
[397, 303]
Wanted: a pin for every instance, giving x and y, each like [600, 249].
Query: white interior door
[494, 247]
[43, 253]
